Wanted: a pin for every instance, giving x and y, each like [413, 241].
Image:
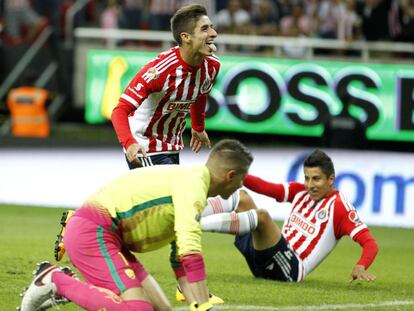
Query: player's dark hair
[185, 19]
[318, 158]
[233, 152]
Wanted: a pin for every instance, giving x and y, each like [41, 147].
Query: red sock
[94, 298]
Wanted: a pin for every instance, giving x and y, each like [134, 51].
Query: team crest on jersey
[152, 73]
[322, 215]
[199, 207]
[130, 273]
[197, 217]
[353, 216]
[207, 85]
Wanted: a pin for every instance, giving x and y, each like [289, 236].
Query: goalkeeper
[140, 212]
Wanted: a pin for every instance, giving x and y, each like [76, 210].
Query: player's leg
[92, 297]
[267, 233]
[230, 222]
[50, 282]
[154, 292]
[272, 257]
[217, 205]
[96, 252]
[277, 262]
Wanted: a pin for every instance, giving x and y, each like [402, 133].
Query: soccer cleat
[55, 301]
[215, 300]
[41, 289]
[59, 246]
[179, 296]
[207, 306]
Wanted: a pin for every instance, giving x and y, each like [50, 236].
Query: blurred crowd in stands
[372, 20]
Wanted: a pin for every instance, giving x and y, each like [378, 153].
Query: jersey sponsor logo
[152, 74]
[179, 106]
[322, 215]
[353, 216]
[303, 225]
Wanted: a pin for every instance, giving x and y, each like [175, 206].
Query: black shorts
[276, 263]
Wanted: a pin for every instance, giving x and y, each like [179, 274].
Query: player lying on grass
[319, 217]
[141, 211]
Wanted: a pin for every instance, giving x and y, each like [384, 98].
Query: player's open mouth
[211, 46]
[313, 193]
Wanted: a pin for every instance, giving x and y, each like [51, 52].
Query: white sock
[217, 205]
[234, 223]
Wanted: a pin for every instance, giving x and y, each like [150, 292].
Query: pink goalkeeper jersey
[163, 93]
[313, 228]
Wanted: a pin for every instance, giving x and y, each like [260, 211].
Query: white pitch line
[320, 307]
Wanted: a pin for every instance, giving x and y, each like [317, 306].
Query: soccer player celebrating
[150, 117]
[319, 217]
[140, 212]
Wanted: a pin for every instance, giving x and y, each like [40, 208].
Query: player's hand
[132, 154]
[359, 273]
[198, 139]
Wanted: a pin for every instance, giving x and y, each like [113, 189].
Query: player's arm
[198, 114]
[192, 278]
[369, 252]
[281, 192]
[198, 133]
[136, 92]
[196, 278]
[347, 222]
[121, 125]
[189, 199]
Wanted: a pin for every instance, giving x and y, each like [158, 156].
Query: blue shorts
[276, 263]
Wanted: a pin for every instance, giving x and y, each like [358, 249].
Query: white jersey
[313, 228]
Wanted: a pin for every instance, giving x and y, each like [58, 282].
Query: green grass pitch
[27, 236]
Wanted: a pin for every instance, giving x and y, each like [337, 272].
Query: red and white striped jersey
[162, 94]
[313, 229]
